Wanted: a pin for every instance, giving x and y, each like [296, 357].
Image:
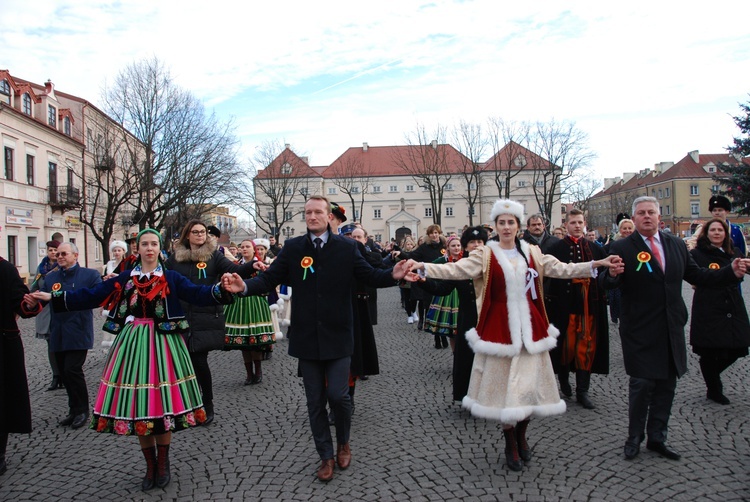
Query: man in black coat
[321, 268]
[536, 234]
[653, 320]
[578, 308]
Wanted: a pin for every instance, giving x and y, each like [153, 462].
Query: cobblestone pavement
[409, 441]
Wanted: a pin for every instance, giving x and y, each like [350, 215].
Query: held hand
[41, 296]
[614, 263]
[259, 265]
[740, 266]
[109, 276]
[414, 265]
[413, 277]
[232, 283]
[30, 301]
[399, 270]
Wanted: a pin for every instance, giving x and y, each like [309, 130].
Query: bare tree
[353, 177]
[562, 151]
[277, 179]
[190, 157]
[581, 187]
[426, 161]
[108, 181]
[472, 144]
[507, 139]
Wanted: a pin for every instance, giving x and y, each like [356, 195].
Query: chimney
[662, 167]
[286, 146]
[433, 144]
[306, 160]
[365, 146]
[49, 88]
[695, 156]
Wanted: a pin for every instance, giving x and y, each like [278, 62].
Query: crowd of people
[520, 310]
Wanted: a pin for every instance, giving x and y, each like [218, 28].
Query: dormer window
[5, 91]
[51, 116]
[66, 126]
[26, 103]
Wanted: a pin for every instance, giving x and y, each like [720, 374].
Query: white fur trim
[273, 307]
[279, 336]
[511, 416]
[285, 322]
[480, 346]
[262, 242]
[285, 297]
[506, 206]
[280, 303]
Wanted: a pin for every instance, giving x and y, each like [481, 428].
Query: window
[288, 215]
[355, 189]
[694, 191]
[661, 193]
[667, 210]
[331, 190]
[51, 116]
[70, 179]
[12, 256]
[715, 188]
[695, 208]
[393, 188]
[26, 103]
[376, 189]
[8, 163]
[449, 211]
[5, 92]
[52, 176]
[286, 168]
[472, 186]
[288, 191]
[428, 212]
[520, 184]
[653, 192]
[449, 186]
[376, 214]
[539, 183]
[66, 126]
[303, 191]
[356, 215]
[270, 216]
[378, 237]
[666, 192]
[471, 211]
[711, 169]
[503, 184]
[409, 188]
[30, 169]
[425, 188]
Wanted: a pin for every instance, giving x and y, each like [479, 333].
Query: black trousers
[327, 381]
[70, 364]
[203, 375]
[650, 405]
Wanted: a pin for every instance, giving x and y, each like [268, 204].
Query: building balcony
[64, 198]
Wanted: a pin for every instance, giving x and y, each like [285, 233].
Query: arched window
[5, 87]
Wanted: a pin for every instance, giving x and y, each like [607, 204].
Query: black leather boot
[583, 380]
[512, 459]
[150, 477]
[55, 384]
[163, 476]
[523, 446]
[565, 388]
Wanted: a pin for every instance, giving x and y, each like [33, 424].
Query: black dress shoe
[79, 421]
[632, 448]
[583, 399]
[67, 420]
[718, 398]
[257, 379]
[663, 450]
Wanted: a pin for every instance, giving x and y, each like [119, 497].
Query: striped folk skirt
[148, 386]
[442, 316]
[249, 325]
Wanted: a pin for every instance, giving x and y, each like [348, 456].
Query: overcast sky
[647, 81]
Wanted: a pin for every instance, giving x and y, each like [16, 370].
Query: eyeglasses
[198, 232]
[64, 253]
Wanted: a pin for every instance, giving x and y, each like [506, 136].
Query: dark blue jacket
[321, 324]
[72, 330]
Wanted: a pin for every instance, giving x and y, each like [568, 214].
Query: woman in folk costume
[148, 388]
[249, 327]
[442, 315]
[275, 303]
[512, 378]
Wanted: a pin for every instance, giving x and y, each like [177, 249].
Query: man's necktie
[318, 243]
[655, 251]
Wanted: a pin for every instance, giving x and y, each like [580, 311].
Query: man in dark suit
[536, 234]
[653, 320]
[72, 333]
[321, 268]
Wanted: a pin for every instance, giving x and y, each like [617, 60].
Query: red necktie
[655, 251]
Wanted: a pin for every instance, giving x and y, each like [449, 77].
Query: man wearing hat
[720, 207]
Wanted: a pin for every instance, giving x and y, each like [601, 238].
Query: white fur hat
[507, 206]
[262, 242]
[118, 244]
